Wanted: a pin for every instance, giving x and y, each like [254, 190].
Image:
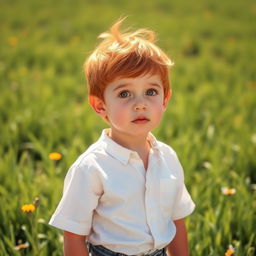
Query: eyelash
[122, 92]
[155, 92]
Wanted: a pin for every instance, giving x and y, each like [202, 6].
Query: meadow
[210, 121]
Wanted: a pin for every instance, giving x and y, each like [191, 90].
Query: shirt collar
[119, 152]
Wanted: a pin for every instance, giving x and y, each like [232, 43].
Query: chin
[142, 132]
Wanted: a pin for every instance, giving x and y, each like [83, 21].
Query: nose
[140, 105]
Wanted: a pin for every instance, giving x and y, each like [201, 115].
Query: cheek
[158, 107]
[158, 111]
[159, 114]
[118, 113]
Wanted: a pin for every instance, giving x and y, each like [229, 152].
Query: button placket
[151, 194]
[137, 163]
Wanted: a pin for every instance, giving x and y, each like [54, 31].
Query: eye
[151, 92]
[124, 94]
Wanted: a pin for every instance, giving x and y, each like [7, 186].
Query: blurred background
[210, 121]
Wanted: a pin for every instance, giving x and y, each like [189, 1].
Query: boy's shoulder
[170, 157]
[88, 157]
[97, 151]
[165, 149]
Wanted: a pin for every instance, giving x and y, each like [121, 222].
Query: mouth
[140, 120]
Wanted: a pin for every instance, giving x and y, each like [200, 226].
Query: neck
[135, 143]
[139, 144]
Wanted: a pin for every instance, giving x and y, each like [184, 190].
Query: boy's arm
[179, 245]
[75, 244]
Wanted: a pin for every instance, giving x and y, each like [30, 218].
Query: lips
[140, 120]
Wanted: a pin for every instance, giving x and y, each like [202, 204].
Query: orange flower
[21, 246]
[228, 191]
[28, 208]
[252, 84]
[55, 156]
[230, 251]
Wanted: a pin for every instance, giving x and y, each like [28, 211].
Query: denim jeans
[99, 250]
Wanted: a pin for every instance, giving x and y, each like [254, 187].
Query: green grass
[210, 121]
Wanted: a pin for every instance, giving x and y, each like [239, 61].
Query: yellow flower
[230, 251]
[21, 246]
[28, 208]
[13, 41]
[55, 156]
[228, 191]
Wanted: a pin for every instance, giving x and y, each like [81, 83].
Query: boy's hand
[179, 245]
[75, 244]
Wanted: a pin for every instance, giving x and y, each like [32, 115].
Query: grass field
[210, 122]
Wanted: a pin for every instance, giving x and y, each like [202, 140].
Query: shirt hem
[185, 213]
[70, 226]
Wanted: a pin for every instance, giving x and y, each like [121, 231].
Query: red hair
[129, 54]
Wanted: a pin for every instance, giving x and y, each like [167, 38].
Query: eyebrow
[127, 84]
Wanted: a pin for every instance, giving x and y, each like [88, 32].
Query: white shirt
[110, 197]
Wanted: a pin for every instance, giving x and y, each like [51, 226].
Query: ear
[98, 105]
[166, 99]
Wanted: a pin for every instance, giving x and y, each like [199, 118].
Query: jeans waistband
[99, 250]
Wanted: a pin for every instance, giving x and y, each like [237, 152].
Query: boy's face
[132, 106]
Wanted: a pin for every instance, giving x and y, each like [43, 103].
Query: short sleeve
[183, 205]
[82, 189]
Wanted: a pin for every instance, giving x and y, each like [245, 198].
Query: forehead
[143, 80]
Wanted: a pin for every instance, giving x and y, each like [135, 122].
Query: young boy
[126, 195]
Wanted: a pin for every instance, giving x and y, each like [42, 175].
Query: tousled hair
[127, 54]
